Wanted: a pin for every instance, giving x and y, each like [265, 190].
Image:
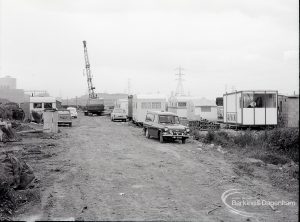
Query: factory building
[9, 91]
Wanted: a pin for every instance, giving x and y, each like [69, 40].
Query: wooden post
[50, 121]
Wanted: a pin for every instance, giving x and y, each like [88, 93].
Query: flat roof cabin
[250, 108]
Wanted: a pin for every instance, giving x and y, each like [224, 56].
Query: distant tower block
[179, 89]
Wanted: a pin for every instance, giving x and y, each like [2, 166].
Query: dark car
[165, 125]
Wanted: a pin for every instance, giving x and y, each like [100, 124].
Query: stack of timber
[204, 124]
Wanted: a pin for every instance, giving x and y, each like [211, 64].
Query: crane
[92, 94]
[94, 105]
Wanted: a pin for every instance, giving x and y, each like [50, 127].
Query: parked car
[73, 112]
[165, 125]
[64, 117]
[118, 114]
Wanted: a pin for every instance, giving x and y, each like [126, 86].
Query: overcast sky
[245, 44]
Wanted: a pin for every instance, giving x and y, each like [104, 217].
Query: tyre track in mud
[112, 172]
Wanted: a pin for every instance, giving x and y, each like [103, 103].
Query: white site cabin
[39, 103]
[193, 108]
[250, 108]
[142, 103]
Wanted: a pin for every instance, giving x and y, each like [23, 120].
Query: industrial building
[8, 82]
[9, 91]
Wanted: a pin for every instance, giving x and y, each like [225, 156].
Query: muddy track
[110, 171]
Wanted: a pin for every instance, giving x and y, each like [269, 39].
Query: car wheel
[147, 134]
[161, 138]
[183, 140]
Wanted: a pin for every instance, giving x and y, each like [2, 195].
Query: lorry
[94, 106]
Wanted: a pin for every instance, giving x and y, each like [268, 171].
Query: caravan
[193, 108]
[141, 104]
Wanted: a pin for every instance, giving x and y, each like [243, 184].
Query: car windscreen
[64, 112]
[169, 119]
[119, 111]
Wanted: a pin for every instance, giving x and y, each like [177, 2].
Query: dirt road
[107, 170]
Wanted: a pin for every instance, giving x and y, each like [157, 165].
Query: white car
[118, 114]
[73, 112]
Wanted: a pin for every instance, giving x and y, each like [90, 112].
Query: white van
[73, 112]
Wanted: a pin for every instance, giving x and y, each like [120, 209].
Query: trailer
[202, 108]
[193, 108]
[129, 115]
[141, 104]
[251, 108]
[179, 105]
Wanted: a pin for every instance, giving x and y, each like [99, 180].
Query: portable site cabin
[202, 109]
[123, 104]
[250, 108]
[288, 111]
[179, 105]
[141, 104]
[41, 103]
[38, 104]
[192, 108]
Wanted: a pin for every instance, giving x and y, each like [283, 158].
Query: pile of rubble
[15, 175]
[6, 132]
[11, 111]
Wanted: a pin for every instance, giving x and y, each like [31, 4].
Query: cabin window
[48, 105]
[205, 109]
[156, 105]
[146, 105]
[149, 118]
[259, 100]
[248, 100]
[37, 105]
[271, 100]
[181, 104]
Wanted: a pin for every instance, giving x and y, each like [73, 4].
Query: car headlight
[187, 130]
[166, 129]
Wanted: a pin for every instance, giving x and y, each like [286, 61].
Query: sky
[221, 45]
